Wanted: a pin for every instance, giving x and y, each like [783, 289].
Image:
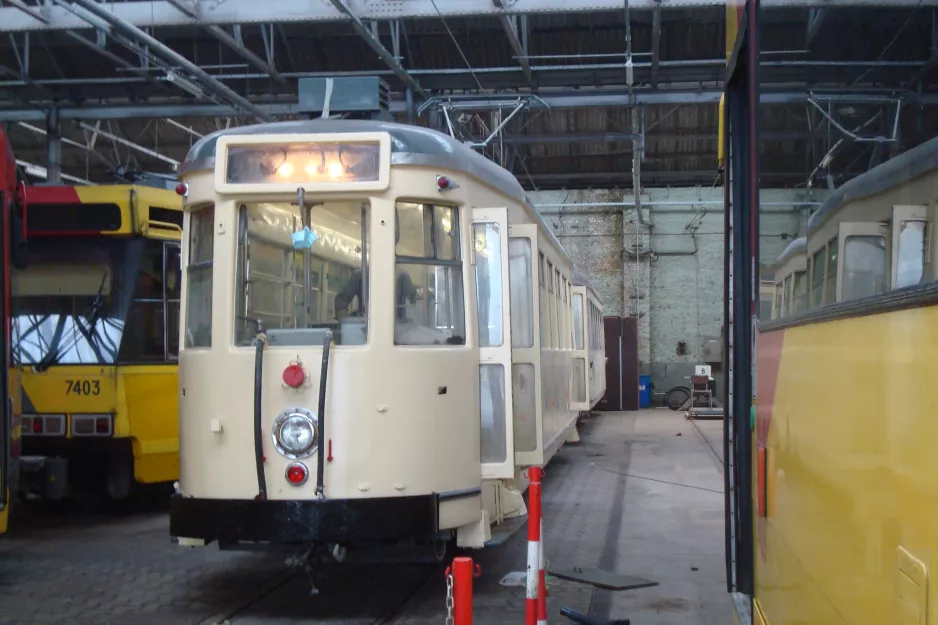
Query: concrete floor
[672, 523]
[640, 494]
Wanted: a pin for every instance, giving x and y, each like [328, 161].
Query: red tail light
[297, 474]
[37, 426]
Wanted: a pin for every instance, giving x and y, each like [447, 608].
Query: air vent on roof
[359, 97]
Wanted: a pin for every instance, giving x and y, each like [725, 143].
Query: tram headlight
[295, 433]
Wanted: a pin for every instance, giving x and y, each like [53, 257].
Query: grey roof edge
[410, 145]
[797, 245]
[908, 165]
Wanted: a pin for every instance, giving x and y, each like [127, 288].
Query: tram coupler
[301, 561]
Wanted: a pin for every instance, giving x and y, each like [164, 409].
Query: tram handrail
[260, 340]
[323, 377]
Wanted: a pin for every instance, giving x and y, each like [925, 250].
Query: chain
[449, 600]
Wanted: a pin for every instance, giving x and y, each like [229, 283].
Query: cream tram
[379, 335]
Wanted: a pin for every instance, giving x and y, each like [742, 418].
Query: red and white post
[535, 608]
[462, 591]
[541, 577]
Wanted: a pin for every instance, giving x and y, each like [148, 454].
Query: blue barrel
[644, 391]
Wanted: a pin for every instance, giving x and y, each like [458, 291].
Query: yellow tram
[844, 466]
[94, 328]
[380, 334]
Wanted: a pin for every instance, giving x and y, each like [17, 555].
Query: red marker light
[442, 182]
[297, 474]
[293, 375]
[182, 188]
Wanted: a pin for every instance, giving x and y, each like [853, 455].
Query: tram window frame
[449, 257]
[849, 288]
[200, 260]
[282, 272]
[164, 338]
[542, 309]
[830, 284]
[787, 283]
[816, 289]
[521, 292]
[551, 307]
[922, 258]
[799, 291]
[779, 299]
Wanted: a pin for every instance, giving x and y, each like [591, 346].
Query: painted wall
[668, 267]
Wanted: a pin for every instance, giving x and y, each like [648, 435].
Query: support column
[53, 147]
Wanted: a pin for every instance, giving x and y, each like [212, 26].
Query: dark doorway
[621, 364]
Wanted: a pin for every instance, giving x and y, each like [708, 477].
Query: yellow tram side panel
[849, 535]
[142, 398]
[144, 199]
[16, 433]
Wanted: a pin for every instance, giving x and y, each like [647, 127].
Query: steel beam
[157, 13]
[238, 48]
[515, 26]
[131, 144]
[41, 172]
[33, 12]
[375, 44]
[556, 100]
[155, 47]
[235, 44]
[53, 146]
[655, 42]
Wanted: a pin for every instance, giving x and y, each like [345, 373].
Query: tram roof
[410, 145]
[799, 245]
[905, 167]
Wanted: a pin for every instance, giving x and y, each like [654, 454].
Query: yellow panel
[851, 475]
[151, 395]
[911, 590]
[120, 195]
[70, 389]
[143, 400]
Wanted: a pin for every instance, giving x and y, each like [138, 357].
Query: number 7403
[83, 387]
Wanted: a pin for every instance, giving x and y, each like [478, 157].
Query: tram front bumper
[341, 521]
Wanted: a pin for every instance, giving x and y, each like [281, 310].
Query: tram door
[490, 255]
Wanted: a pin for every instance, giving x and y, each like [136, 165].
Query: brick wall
[677, 289]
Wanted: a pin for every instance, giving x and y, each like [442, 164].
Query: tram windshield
[288, 287]
[95, 300]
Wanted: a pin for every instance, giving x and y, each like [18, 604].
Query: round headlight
[294, 433]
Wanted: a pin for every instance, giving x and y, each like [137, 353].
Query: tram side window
[489, 286]
[799, 296]
[577, 321]
[910, 267]
[521, 291]
[864, 266]
[779, 290]
[199, 277]
[817, 278]
[830, 291]
[787, 303]
[149, 336]
[543, 314]
[429, 304]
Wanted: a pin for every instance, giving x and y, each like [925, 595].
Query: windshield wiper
[51, 357]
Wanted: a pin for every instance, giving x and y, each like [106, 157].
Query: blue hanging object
[303, 240]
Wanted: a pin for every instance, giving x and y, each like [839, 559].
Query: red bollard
[534, 548]
[541, 581]
[462, 591]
